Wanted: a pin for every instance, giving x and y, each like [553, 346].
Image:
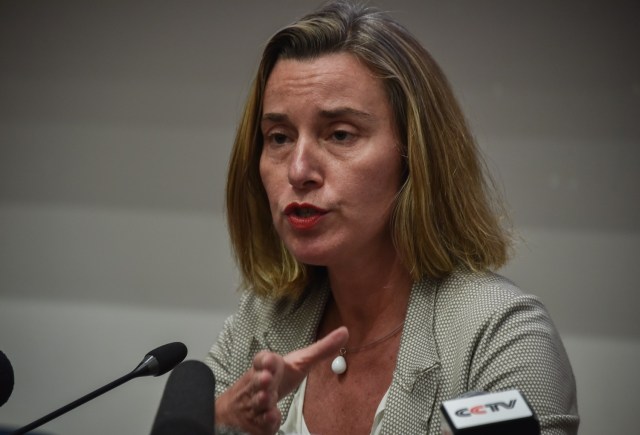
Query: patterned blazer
[468, 332]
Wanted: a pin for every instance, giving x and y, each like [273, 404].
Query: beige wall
[115, 127]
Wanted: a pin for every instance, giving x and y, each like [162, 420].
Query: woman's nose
[305, 171]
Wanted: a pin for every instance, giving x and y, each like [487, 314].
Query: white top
[295, 425]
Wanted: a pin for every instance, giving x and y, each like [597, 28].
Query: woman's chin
[315, 252]
[312, 257]
[311, 260]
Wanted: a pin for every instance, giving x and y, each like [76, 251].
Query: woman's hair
[445, 214]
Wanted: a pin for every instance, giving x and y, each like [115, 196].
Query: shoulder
[465, 287]
[480, 307]
[493, 336]
[236, 344]
[279, 325]
[473, 297]
[263, 314]
[257, 317]
[260, 313]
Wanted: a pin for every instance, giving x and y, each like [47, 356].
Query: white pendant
[339, 365]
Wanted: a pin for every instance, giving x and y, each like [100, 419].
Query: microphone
[6, 378]
[187, 404]
[500, 413]
[155, 363]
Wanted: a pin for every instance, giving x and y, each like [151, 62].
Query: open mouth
[303, 216]
[303, 210]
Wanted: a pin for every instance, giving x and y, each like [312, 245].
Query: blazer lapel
[295, 327]
[411, 405]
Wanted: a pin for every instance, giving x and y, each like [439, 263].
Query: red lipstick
[303, 216]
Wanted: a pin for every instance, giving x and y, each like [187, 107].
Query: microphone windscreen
[187, 405]
[6, 378]
[168, 356]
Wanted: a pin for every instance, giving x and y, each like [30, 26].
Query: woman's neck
[369, 300]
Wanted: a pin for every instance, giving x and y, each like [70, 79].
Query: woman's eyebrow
[274, 117]
[346, 111]
[329, 113]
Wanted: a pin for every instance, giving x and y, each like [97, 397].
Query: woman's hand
[251, 403]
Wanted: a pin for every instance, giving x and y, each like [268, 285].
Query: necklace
[339, 364]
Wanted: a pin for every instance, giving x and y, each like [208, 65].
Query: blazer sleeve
[518, 347]
[219, 358]
[232, 353]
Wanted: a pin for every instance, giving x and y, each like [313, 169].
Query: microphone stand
[146, 367]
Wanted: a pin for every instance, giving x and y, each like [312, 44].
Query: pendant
[339, 364]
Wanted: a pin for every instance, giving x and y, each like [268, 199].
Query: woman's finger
[324, 348]
[298, 363]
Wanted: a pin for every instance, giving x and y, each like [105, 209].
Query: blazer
[470, 331]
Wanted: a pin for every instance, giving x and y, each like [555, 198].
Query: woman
[365, 232]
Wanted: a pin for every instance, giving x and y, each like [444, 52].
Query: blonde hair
[445, 215]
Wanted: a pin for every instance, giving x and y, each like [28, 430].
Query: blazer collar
[416, 377]
[294, 326]
[296, 323]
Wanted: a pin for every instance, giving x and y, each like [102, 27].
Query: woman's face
[330, 162]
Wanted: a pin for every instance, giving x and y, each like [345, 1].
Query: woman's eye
[342, 135]
[278, 138]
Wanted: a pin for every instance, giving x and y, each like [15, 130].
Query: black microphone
[155, 363]
[187, 404]
[501, 413]
[6, 378]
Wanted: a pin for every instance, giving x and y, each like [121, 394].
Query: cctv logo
[483, 409]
